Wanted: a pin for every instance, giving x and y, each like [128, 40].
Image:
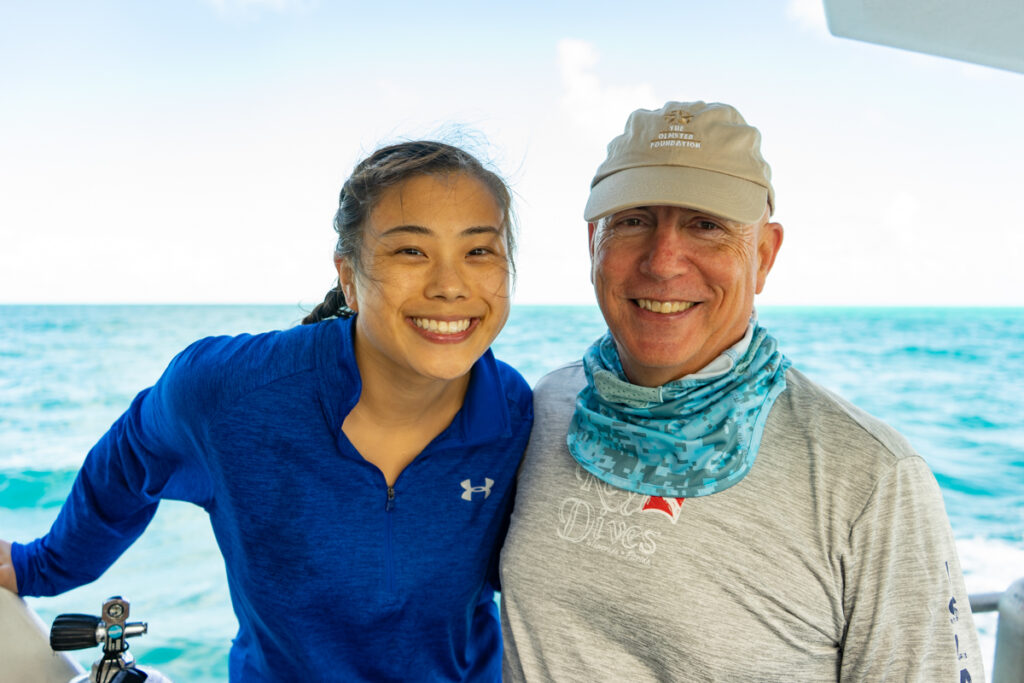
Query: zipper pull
[391, 499]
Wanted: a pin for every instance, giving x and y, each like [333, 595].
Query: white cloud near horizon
[592, 106]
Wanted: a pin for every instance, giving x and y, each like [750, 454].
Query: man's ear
[769, 241]
[347, 281]
[591, 232]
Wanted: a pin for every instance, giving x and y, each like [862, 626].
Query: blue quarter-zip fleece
[381, 584]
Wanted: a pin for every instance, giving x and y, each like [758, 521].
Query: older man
[691, 507]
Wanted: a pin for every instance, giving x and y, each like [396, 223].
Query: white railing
[1008, 663]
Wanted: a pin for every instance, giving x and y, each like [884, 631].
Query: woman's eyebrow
[420, 230]
[413, 229]
[479, 230]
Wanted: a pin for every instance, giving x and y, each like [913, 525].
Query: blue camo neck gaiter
[691, 437]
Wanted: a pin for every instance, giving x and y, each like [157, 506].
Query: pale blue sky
[192, 151]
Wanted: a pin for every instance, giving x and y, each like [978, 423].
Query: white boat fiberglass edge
[25, 646]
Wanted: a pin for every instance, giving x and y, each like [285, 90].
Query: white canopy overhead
[989, 32]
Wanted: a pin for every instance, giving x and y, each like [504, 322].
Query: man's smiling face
[676, 286]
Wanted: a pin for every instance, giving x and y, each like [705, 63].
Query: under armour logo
[469, 489]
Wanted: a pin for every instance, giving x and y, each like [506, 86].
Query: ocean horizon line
[309, 306]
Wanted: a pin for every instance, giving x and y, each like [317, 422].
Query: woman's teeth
[442, 326]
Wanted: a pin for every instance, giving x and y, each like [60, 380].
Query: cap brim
[718, 194]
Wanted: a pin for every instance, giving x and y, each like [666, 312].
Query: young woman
[357, 469]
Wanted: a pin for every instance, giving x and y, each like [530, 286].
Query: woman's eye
[411, 251]
[480, 251]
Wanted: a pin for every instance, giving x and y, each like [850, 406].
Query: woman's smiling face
[433, 289]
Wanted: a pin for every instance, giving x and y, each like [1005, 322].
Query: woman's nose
[447, 282]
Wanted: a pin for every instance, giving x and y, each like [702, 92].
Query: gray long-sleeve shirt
[832, 560]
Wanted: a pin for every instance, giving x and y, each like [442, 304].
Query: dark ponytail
[333, 306]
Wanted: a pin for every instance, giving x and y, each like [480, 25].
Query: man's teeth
[442, 326]
[663, 306]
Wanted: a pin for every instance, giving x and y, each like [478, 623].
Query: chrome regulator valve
[111, 629]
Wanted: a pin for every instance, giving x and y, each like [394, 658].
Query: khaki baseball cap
[700, 156]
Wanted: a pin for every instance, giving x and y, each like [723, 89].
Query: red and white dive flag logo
[670, 507]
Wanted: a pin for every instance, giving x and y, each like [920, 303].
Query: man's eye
[708, 225]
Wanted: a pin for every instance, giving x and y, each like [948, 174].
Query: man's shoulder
[562, 382]
[833, 455]
[823, 415]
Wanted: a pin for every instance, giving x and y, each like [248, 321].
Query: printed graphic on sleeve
[954, 618]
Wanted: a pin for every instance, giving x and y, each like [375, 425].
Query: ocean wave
[991, 564]
[28, 489]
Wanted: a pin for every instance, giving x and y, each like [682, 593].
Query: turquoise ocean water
[950, 379]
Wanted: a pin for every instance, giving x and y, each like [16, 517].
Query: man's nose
[667, 251]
